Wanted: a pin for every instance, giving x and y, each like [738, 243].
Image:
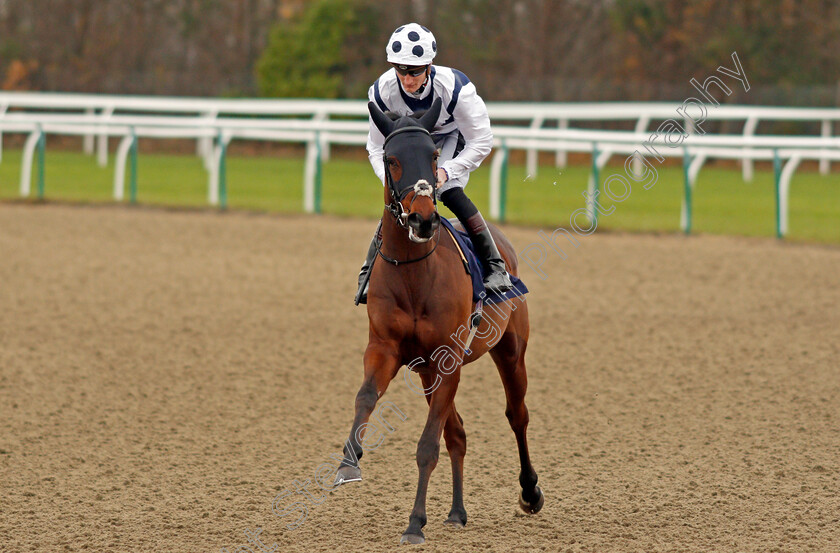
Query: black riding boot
[361, 293]
[496, 279]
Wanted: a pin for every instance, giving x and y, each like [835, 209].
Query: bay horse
[419, 295]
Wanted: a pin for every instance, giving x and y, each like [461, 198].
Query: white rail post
[641, 126]
[3, 108]
[747, 162]
[26, 163]
[562, 157]
[590, 186]
[213, 185]
[103, 138]
[784, 192]
[694, 166]
[119, 166]
[688, 125]
[825, 163]
[224, 140]
[599, 161]
[532, 160]
[497, 167]
[213, 179]
[204, 145]
[310, 174]
[88, 140]
[325, 139]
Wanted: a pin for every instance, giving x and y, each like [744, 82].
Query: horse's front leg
[381, 365]
[428, 450]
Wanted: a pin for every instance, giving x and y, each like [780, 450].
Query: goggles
[411, 71]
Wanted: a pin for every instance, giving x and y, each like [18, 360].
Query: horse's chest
[427, 333]
[421, 336]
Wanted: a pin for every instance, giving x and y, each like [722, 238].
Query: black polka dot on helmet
[411, 44]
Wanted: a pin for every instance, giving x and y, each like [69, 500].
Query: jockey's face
[411, 84]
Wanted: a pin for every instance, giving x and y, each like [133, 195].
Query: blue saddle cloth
[477, 273]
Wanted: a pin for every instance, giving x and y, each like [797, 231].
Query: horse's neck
[417, 276]
[427, 284]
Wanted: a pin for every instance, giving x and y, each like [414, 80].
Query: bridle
[395, 208]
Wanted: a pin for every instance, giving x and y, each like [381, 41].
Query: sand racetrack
[164, 375]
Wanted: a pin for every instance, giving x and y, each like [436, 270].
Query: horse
[419, 295]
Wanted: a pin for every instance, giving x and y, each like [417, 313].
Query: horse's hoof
[453, 523]
[347, 474]
[532, 508]
[412, 539]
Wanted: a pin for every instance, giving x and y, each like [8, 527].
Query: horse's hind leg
[509, 355]
[456, 445]
[381, 364]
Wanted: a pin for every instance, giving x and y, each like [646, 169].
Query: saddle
[473, 267]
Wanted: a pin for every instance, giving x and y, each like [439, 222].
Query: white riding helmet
[411, 44]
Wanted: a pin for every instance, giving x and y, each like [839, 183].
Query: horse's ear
[430, 117]
[382, 122]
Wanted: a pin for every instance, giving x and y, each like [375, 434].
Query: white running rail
[309, 121]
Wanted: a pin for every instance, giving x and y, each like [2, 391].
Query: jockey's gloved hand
[442, 177]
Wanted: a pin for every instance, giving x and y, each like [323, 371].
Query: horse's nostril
[416, 221]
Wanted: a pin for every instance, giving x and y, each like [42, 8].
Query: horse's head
[410, 169]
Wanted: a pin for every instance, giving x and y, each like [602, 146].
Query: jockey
[462, 135]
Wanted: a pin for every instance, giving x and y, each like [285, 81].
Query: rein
[397, 262]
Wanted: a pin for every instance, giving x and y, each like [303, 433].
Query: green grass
[723, 203]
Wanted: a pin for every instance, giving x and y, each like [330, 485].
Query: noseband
[395, 208]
